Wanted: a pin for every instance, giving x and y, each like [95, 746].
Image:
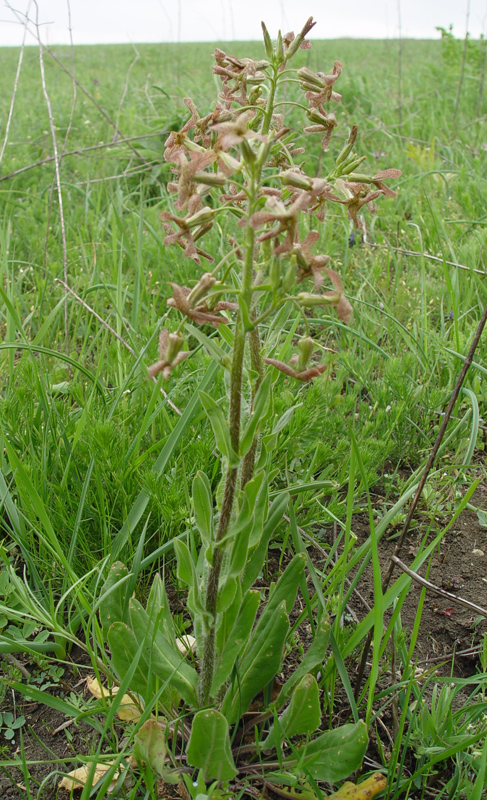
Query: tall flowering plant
[239, 161]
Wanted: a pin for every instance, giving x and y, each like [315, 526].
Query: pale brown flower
[310, 265]
[170, 354]
[304, 375]
[285, 216]
[237, 131]
[200, 313]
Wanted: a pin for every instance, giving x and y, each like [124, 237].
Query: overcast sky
[111, 21]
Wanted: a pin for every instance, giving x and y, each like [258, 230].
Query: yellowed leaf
[78, 777]
[127, 709]
[364, 791]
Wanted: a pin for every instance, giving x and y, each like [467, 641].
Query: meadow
[99, 464]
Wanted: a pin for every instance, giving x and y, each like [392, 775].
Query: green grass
[89, 445]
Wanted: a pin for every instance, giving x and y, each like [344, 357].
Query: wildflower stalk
[241, 155]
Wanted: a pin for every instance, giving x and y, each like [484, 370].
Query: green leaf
[314, 656]
[214, 350]
[260, 407]
[186, 572]
[334, 755]
[260, 663]
[150, 746]
[124, 646]
[158, 608]
[203, 507]
[136, 512]
[220, 428]
[209, 746]
[236, 640]
[303, 714]
[163, 660]
[256, 561]
[114, 600]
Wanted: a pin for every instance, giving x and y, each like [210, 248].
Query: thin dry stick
[462, 68]
[81, 151]
[424, 477]
[16, 83]
[414, 252]
[58, 179]
[423, 582]
[126, 86]
[117, 336]
[75, 80]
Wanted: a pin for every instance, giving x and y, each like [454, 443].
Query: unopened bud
[267, 41]
[348, 168]
[348, 147]
[359, 177]
[275, 273]
[308, 300]
[205, 283]
[289, 277]
[305, 75]
[296, 179]
[174, 345]
[306, 347]
[210, 178]
[255, 94]
[202, 217]
[280, 57]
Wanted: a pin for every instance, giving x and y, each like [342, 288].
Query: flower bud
[305, 75]
[275, 273]
[280, 57]
[174, 345]
[267, 41]
[359, 177]
[210, 178]
[306, 347]
[348, 147]
[289, 277]
[308, 300]
[202, 217]
[205, 283]
[296, 179]
[348, 168]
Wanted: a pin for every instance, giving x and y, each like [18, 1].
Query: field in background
[82, 430]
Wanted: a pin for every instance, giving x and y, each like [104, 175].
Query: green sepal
[209, 746]
[220, 429]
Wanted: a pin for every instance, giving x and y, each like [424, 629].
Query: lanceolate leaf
[236, 640]
[113, 607]
[220, 428]
[314, 656]
[203, 506]
[259, 665]
[124, 647]
[254, 564]
[163, 659]
[209, 746]
[303, 714]
[261, 404]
